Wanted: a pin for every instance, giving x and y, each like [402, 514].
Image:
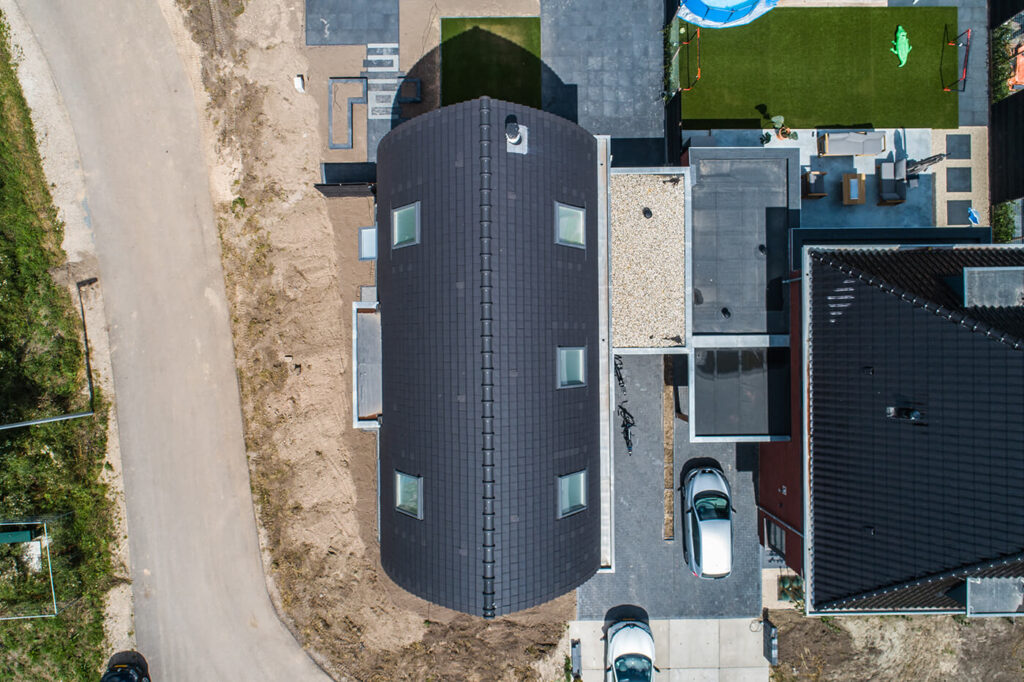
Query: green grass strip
[498, 57]
[52, 469]
[825, 67]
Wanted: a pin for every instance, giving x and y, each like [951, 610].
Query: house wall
[1006, 149]
[1001, 10]
[780, 468]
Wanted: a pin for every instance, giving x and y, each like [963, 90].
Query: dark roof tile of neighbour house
[472, 316]
[916, 428]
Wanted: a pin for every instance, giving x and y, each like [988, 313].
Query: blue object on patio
[972, 216]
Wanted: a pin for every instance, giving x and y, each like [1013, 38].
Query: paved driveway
[717, 650]
[201, 609]
[650, 571]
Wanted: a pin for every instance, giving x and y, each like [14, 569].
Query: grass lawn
[825, 68]
[54, 469]
[499, 57]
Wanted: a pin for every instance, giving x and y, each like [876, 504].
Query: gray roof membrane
[741, 218]
[741, 391]
[995, 287]
[995, 596]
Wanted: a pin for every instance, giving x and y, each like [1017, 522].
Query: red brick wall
[780, 469]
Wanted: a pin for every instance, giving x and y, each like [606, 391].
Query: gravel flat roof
[648, 269]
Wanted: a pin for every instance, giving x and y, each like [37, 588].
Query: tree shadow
[765, 114]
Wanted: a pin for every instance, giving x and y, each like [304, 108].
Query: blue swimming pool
[723, 13]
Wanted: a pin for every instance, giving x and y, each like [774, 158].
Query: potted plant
[782, 131]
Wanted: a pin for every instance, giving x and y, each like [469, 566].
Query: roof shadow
[501, 69]
[697, 463]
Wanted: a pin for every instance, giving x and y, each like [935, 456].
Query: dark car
[126, 666]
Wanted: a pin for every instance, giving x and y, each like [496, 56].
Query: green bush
[1003, 222]
[1000, 66]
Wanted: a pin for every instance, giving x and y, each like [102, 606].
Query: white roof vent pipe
[516, 136]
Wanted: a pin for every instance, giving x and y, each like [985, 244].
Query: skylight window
[572, 367]
[405, 225]
[408, 494]
[570, 226]
[572, 493]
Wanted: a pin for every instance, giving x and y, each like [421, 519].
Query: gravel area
[647, 261]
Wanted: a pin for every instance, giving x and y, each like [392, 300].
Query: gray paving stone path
[612, 51]
[649, 571]
[351, 22]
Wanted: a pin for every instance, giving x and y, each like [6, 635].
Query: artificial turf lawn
[498, 57]
[825, 68]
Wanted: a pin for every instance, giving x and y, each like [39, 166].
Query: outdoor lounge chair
[851, 144]
[892, 182]
[814, 184]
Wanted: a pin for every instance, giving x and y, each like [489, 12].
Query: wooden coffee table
[853, 189]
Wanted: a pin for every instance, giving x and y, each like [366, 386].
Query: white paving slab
[591, 636]
[694, 643]
[912, 143]
[740, 644]
[694, 675]
[661, 629]
[698, 650]
[743, 674]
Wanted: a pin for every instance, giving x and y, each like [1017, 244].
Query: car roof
[709, 479]
[716, 546]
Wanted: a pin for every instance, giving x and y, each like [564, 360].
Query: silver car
[707, 521]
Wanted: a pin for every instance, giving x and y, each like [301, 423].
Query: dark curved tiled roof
[894, 501]
[471, 318]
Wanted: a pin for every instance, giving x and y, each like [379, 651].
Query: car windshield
[711, 506]
[633, 668]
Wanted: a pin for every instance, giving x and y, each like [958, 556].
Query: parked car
[126, 666]
[629, 652]
[707, 521]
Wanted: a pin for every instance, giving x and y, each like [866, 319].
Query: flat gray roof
[741, 200]
[741, 391]
[368, 362]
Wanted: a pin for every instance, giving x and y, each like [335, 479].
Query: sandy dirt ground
[59, 151]
[291, 273]
[919, 648]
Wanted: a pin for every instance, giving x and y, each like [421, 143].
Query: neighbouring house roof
[916, 433]
[471, 320]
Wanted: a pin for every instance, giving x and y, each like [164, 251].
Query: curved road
[201, 605]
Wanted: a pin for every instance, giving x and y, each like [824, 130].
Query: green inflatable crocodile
[901, 46]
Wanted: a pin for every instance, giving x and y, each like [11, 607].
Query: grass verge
[498, 57]
[50, 470]
[825, 67]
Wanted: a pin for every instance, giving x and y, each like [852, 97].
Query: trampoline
[723, 13]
